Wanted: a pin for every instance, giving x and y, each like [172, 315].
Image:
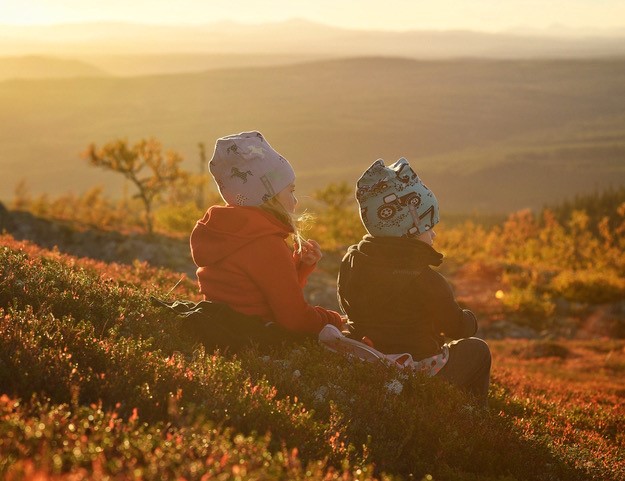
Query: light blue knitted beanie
[394, 202]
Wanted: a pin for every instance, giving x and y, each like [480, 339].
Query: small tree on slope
[144, 164]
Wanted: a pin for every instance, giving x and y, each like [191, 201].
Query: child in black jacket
[387, 287]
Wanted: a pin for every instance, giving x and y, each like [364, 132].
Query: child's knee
[474, 348]
[481, 348]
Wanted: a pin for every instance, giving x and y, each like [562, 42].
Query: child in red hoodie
[240, 249]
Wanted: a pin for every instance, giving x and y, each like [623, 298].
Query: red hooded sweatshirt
[244, 261]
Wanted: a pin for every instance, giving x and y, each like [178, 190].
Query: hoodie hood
[225, 229]
[396, 253]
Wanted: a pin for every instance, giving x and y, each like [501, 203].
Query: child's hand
[311, 252]
[346, 325]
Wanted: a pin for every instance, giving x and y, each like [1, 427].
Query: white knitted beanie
[247, 170]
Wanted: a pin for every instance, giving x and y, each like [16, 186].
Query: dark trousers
[468, 367]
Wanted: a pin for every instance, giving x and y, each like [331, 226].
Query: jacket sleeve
[447, 316]
[269, 263]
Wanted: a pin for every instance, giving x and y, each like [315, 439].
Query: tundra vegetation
[99, 383]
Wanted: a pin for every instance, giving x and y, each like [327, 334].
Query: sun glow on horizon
[485, 15]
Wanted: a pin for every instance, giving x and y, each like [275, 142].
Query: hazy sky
[490, 15]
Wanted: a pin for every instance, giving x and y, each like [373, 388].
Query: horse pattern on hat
[242, 175]
[394, 201]
[247, 170]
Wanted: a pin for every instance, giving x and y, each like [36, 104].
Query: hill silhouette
[126, 65]
[39, 67]
[488, 135]
[302, 37]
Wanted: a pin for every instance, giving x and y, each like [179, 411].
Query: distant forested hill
[44, 67]
[484, 134]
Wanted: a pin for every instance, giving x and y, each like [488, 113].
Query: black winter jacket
[391, 294]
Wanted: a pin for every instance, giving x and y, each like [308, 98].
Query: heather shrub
[90, 442]
[107, 296]
[528, 307]
[590, 286]
[83, 337]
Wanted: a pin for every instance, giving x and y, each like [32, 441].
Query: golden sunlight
[486, 15]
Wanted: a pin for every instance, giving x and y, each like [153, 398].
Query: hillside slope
[132, 397]
[477, 131]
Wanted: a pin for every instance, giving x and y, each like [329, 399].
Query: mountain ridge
[304, 37]
[42, 67]
[466, 126]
